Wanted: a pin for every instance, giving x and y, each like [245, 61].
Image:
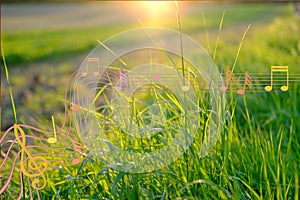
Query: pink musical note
[76, 161]
[157, 76]
[76, 107]
[123, 81]
[90, 62]
[248, 82]
[79, 149]
[229, 77]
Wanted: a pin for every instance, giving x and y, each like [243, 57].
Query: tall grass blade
[9, 85]
[217, 40]
[240, 47]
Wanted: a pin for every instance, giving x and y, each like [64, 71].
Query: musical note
[157, 76]
[89, 61]
[284, 69]
[37, 164]
[248, 82]
[123, 81]
[76, 161]
[76, 107]
[53, 140]
[79, 149]
[186, 85]
[229, 77]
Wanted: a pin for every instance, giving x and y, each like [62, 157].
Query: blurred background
[45, 42]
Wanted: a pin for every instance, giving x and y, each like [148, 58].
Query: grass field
[258, 153]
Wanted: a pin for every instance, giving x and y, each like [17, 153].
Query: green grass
[257, 156]
[31, 46]
[24, 47]
[236, 14]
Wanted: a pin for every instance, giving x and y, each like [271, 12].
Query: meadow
[258, 152]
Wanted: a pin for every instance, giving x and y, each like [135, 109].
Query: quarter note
[229, 77]
[123, 81]
[248, 82]
[284, 69]
[53, 140]
[91, 61]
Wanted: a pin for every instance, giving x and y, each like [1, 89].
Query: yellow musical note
[53, 140]
[37, 164]
[284, 69]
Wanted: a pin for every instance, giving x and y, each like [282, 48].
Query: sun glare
[156, 11]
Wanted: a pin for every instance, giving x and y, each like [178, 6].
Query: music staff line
[20, 140]
[10, 176]
[229, 77]
[32, 159]
[111, 89]
[46, 151]
[249, 80]
[256, 87]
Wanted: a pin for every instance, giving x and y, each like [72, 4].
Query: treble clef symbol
[37, 164]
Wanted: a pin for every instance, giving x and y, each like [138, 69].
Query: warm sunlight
[141, 99]
[156, 11]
